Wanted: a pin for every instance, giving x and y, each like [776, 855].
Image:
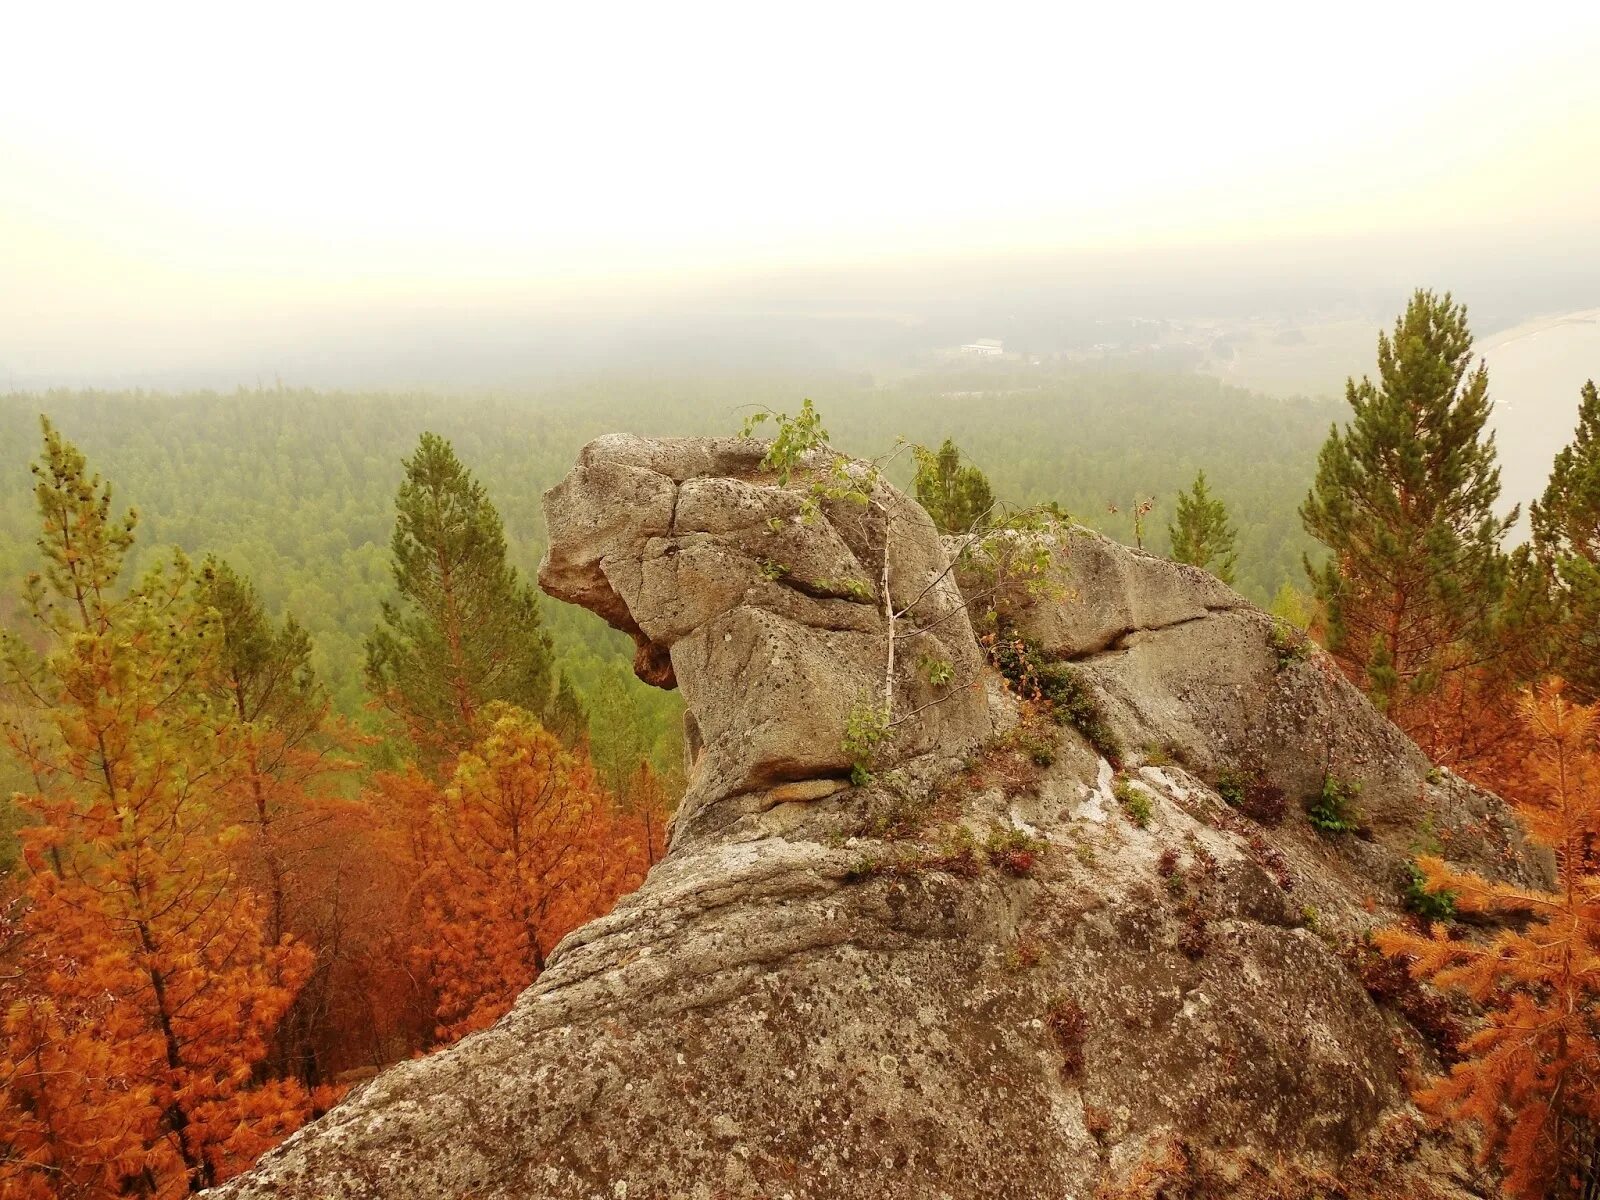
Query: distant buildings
[984, 348]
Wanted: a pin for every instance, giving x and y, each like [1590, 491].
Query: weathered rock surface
[773, 622]
[973, 978]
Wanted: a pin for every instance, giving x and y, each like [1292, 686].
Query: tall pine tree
[467, 629]
[1203, 537]
[1404, 500]
[1566, 542]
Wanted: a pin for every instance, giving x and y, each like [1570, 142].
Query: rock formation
[1024, 960]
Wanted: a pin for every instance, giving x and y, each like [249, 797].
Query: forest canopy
[295, 489]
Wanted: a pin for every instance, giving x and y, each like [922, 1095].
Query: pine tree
[288, 770]
[467, 630]
[129, 1051]
[1404, 500]
[957, 497]
[567, 718]
[1528, 1078]
[1566, 541]
[1203, 537]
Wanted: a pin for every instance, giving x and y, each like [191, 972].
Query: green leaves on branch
[866, 729]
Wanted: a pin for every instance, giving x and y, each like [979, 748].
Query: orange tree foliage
[145, 990]
[209, 932]
[1531, 1073]
[520, 847]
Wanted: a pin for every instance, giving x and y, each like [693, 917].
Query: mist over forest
[1076, 671]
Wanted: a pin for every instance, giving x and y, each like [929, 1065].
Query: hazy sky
[166, 168]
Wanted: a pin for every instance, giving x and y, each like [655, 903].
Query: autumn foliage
[1530, 1077]
[215, 922]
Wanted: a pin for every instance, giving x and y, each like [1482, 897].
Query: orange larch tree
[1531, 1073]
[522, 846]
[150, 989]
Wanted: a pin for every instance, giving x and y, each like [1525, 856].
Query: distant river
[1535, 371]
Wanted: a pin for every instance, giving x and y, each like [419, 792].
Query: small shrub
[937, 671]
[1230, 786]
[1055, 686]
[957, 856]
[868, 866]
[1429, 905]
[1264, 803]
[1039, 751]
[1023, 954]
[1012, 850]
[1135, 802]
[1253, 796]
[772, 571]
[1288, 644]
[1156, 755]
[1097, 1121]
[866, 728]
[900, 816]
[1332, 810]
[1167, 864]
[1194, 937]
[1069, 1025]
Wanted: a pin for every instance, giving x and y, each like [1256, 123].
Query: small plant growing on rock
[1230, 786]
[1069, 1026]
[1023, 954]
[900, 816]
[866, 728]
[1389, 981]
[1251, 795]
[1288, 644]
[1012, 850]
[772, 571]
[1039, 751]
[1135, 802]
[1332, 809]
[1062, 692]
[797, 437]
[1428, 903]
[1195, 936]
[868, 866]
[937, 671]
[957, 856]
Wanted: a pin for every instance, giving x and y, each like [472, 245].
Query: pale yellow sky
[223, 162]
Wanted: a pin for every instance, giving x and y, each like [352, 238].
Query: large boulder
[774, 608]
[1033, 972]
